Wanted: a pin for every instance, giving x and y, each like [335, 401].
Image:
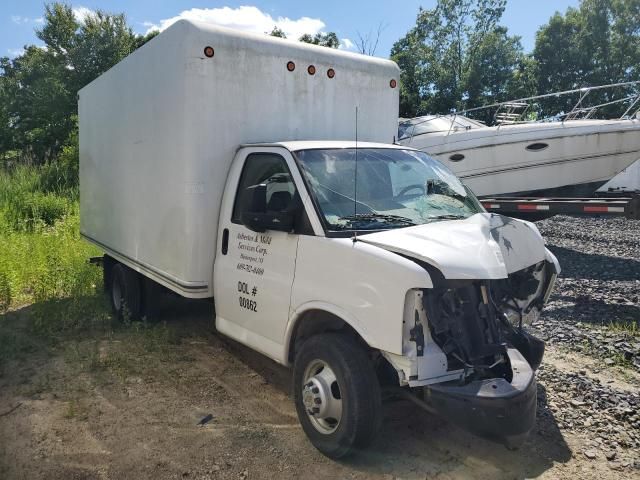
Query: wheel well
[314, 322]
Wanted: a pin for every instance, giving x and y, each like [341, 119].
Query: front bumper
[494, 408]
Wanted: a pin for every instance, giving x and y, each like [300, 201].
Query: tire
[358, 393]
[107, 268]
[124, 293]
[152, 294]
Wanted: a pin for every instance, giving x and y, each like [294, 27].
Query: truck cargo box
[158, 133]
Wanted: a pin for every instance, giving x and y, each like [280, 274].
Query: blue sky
[19, 18]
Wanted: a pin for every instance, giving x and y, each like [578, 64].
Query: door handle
[225, 241]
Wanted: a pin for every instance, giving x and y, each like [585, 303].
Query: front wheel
[337, 394]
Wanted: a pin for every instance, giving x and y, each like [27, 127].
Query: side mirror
[258, 219]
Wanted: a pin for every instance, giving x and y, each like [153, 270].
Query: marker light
[393, 83]
[311, 70]
[208, 52]
[331, 73]
[291, 66]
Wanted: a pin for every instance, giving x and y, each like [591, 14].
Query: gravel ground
[595, 310]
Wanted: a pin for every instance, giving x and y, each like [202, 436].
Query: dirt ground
[126, 405]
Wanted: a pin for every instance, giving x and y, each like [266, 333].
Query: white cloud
[346, 44]
[15, 52]
[246, 18]
[39, 20]
[20, 20]
[81, 13]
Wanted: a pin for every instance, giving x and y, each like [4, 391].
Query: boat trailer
[538, 208]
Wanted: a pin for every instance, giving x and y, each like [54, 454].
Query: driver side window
[271, 170]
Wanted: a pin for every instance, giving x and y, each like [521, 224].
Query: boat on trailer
[570, 154]
[626, 182]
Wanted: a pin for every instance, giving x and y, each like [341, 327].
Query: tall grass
[33, 197]
[43, 259]
[45, 273]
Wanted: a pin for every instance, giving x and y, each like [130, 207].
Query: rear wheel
[337, 394]
[125, 292]
[152, 294]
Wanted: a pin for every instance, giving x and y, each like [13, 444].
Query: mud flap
[494, 408]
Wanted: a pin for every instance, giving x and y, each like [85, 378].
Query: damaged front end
[467, 354]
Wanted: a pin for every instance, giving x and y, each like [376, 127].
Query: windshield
[395, 188]
[435, 124]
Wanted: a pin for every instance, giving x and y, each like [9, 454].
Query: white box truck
[262, 172]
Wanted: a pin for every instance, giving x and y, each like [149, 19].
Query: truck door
[253, 272]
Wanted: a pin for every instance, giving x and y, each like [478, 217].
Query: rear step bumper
[493, 409]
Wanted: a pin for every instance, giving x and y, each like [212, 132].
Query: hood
[483, 246]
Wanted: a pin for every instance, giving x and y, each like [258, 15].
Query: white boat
[571, 156]
[627, 181]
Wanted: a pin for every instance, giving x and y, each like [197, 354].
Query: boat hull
[518, 159]
[626, 182]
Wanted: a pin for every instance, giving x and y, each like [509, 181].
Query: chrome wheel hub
[321, 397]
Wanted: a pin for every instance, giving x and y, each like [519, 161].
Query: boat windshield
[436, 124]
[395, 188]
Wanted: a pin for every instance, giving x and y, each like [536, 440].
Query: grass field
[51, 297]
[43, 259]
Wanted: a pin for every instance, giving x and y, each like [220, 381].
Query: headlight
[520, 296]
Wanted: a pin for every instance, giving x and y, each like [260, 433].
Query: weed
[44, 264]
[35, 210]
[621, 360]
[75, 410]
[70, 412]
[629, 327]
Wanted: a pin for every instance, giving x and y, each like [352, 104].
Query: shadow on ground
[576, 264]
[595, 312]
[412, 443]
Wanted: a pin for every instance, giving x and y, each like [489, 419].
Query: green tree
[523, 81]
[456, 57]
[140, 40]
[40, 103]
[101, 42]
[597, 43]
[329, 39]
[6, 137]
[277, 32]
[39, 88]
[489, 74]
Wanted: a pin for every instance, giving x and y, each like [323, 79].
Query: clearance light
[311, 70]
[331, 73]
[291, 66]
[208, 52]
[393, 83]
